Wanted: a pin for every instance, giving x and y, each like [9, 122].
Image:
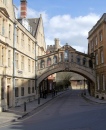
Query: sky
[68, 20]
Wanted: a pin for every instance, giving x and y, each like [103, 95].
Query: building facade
[97, 48]
[20, 44]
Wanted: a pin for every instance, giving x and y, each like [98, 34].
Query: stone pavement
[16, 113]
[94, 99]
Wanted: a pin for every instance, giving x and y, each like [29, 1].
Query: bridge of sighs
[68, 59]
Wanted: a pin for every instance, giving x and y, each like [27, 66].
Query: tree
[63, 79]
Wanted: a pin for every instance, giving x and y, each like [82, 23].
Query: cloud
[71, 30]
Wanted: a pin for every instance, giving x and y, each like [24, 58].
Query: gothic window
[61, 57]
[66, 55]
[48, 61]
[42, 64]
[78, 60]
[90, 64]
[84, 61]
[55, 59]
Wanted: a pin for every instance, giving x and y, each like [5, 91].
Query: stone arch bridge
[68, 59]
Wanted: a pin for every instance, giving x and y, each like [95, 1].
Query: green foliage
[63, 79]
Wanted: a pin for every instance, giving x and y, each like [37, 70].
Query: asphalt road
[66, 112]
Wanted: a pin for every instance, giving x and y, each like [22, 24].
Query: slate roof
[34, 22]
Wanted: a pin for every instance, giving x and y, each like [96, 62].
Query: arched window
[84, 61]
[42, 64]
[61, 57]
[55, 59]
[78, 60]
[48, 61]
[90, 64]
[66, 55]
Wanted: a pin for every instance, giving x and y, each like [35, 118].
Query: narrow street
[66, 112]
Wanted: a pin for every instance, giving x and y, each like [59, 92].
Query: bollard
[24, 106]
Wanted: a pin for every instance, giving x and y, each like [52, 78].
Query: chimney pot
[23, 8]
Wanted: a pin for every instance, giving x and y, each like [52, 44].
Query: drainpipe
[35, 68]
[36, 85]
[14, 47]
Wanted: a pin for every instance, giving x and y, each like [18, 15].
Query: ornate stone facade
[97, 48]
[66, 59]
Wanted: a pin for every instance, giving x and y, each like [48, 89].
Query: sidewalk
[93, 99]
[16, 113]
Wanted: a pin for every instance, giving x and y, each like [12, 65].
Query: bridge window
[90, 64]
[48, 61]
[61, 57]
[42, 64]
[78, 60]
[66, 55]
[55, 59]
[84, 61]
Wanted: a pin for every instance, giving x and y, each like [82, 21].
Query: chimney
[23, 9]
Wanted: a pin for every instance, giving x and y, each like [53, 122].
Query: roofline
[101, 20]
